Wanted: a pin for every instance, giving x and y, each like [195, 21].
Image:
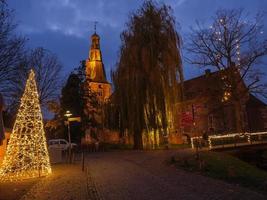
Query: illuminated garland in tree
[27, 155]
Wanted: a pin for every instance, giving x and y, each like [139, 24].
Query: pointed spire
[95, 23]
[95, 53]
[94, 65]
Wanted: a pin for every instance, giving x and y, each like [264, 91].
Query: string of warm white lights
[27, 155]
[238, 52]
[218, 35]
[212, 138]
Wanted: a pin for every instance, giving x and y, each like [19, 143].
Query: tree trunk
[238, 117]
[138, 141]
[155, 144]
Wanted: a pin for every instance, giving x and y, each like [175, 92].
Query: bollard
[83, 161]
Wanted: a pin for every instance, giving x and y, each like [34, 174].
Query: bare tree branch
[234, 46]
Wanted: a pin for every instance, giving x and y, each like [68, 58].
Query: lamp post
[68, 114]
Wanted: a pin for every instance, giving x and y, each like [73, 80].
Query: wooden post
[82, 160]
[69, 141]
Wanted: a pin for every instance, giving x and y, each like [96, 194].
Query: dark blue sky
[64, 26]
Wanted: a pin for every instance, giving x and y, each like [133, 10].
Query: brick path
[92, 188]
[132, 175]
[67, 182]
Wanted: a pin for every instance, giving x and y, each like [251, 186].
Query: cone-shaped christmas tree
[27, 155]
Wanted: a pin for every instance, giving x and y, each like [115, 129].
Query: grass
[173, 146]
[179, 146]
[110, 146]
[225, 167]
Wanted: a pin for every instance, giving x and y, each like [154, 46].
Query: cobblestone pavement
[144, 175]
[67, 182]
[14, 191]
[93, 193]
[126, 175]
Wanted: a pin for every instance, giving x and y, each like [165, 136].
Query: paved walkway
[144, 175]
[126, 175]
[14, 191]
[67, 182]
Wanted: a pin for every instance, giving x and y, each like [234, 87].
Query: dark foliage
[148, 72]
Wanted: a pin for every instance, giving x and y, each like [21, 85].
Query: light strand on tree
[238, 52]
[27, 154]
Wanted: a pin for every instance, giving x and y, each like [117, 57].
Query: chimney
[232, 64]
[207, 72]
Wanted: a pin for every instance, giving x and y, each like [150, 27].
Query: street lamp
[68, 114]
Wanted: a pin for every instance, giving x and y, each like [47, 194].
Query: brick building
[208, 109]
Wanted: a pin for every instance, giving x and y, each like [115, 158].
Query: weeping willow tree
[148, 73]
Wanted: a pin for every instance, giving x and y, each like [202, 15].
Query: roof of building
[94, 65]
[201, 85]
[95, 35]
[208, 83]
[253, 100]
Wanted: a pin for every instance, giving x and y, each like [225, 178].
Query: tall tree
[47, 68]
[148, 72]
[48, 75]
[11, 48]
[71, 99]
[90, 104]
[76, 97]
[235, 46]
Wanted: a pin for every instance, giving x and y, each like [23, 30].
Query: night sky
[65, 26]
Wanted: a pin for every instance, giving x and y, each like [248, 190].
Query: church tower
[95, 71]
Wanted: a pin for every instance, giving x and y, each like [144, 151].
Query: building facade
[208, 109]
